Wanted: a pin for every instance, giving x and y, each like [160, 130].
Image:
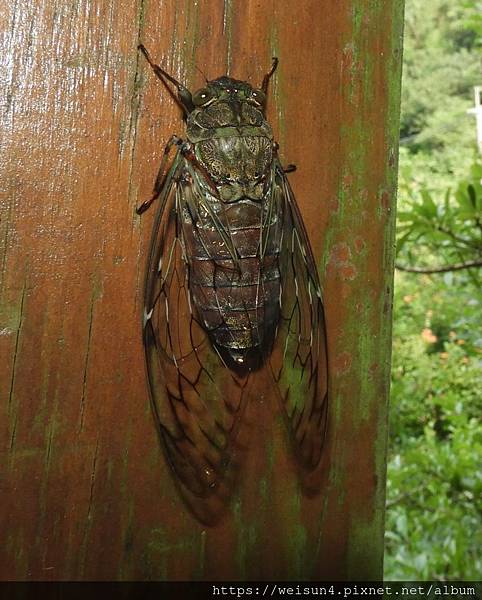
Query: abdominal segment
[234, 277]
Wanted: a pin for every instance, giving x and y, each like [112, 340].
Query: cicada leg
[174, 140]
[269, 74]
[289, 168]
[188, 153]
[184, 99]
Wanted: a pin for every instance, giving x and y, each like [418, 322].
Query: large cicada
[231, 287]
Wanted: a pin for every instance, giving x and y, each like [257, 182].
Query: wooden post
[86, 491]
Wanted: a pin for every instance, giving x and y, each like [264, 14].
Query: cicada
[231, 287]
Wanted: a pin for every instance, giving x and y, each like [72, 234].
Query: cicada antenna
[202, 73]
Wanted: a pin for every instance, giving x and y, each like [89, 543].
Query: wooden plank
[86, 493]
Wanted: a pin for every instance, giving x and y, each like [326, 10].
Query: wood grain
[85, 492]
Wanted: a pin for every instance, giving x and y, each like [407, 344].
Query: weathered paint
[87, 493]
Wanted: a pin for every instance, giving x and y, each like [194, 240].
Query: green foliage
[441, 66]
[434, 476]
[435, 480]
[473, 19]
[445, 228]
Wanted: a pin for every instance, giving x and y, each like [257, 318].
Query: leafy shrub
[434, 476]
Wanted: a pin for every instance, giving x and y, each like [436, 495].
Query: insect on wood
[231, 287]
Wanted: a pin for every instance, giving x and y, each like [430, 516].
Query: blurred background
[433, 521]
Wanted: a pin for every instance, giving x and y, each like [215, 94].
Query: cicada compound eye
[258, 97]
[202, 97]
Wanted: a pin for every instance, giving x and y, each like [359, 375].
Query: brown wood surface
[85, 492]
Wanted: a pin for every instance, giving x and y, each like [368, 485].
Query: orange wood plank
[86, 493]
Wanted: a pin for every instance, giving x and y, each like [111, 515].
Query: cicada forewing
[299, 357]
[197, 402]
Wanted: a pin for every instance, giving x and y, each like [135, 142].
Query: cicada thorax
[233, 238]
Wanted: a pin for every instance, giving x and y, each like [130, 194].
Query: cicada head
[223, 90]
[227, 90]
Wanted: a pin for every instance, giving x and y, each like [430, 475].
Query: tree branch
[470, 264]
[449, 233]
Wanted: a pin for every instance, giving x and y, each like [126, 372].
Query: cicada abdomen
[231, 288]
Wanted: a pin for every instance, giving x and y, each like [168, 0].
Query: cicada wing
[299, 357]
[197, 402]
